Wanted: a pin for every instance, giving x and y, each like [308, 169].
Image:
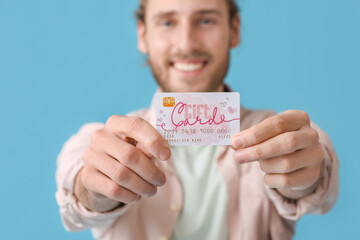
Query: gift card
[198, 118]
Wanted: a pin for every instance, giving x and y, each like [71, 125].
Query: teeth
[188, 67]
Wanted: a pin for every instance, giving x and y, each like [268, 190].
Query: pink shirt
[254, 211]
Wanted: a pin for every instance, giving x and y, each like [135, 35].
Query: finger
[285, 143]
[298, 180]
[291, 162]
[139, 146]
[128, 155]
[288, 121]
[97, 182]
[122, 175]
[143, 132]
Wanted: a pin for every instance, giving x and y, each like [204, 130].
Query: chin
[190, 87]
[183, 88]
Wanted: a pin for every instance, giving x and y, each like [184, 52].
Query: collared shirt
[203, 214]
[254, 211]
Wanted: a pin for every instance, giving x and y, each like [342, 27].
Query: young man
[123, 181]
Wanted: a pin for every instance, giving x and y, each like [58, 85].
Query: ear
[235, 31]
[141, 37]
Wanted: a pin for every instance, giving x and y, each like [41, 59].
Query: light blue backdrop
[64, 63]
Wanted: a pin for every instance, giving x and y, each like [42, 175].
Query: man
[123, 181]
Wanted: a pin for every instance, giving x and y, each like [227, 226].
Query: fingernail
[238, 142]
[150, 194]
[240, 156]
[165, 154]
[164, 181]
[161, 182]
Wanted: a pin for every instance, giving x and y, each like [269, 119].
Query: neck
[221, 88]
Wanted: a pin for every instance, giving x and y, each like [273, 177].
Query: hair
[140, 12]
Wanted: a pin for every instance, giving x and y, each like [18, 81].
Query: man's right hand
[117, 165]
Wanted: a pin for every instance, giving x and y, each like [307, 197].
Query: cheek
[158, 47]
[218, 44]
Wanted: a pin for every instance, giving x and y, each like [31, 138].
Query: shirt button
[174, 207]
[163, 238]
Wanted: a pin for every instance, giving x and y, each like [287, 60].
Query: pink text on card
[191, 114]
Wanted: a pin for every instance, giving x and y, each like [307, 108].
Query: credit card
[198, 118]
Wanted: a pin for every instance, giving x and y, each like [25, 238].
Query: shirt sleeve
[74, 215]
[325, 195]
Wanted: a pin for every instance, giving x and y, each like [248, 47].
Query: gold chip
[168, 102]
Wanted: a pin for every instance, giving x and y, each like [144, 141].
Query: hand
[117, 165]
[288, 151]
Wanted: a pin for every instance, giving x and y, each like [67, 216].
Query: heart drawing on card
[232, 110]
[160, 119]
[223, 104]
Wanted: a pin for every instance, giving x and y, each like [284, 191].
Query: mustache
[192, 55]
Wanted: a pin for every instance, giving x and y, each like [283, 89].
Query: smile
[189, 66]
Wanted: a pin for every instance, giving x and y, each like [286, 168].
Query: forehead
[185, 7]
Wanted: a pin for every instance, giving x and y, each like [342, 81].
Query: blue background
[65, 63]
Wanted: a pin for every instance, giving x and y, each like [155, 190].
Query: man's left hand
[288, 151]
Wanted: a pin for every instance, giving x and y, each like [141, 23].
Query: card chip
[168, 102]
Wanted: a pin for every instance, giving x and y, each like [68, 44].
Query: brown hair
[140, 12]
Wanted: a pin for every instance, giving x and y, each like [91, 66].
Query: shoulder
[91, 127]
[251, 117]
[145, 114]
[138, 113]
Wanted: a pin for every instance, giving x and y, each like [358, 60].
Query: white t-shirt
[204, 211]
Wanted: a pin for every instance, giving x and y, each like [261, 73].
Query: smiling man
[122, 180]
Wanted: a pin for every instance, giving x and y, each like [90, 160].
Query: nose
[186, 38]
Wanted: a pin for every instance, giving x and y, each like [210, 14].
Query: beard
[209, 83]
